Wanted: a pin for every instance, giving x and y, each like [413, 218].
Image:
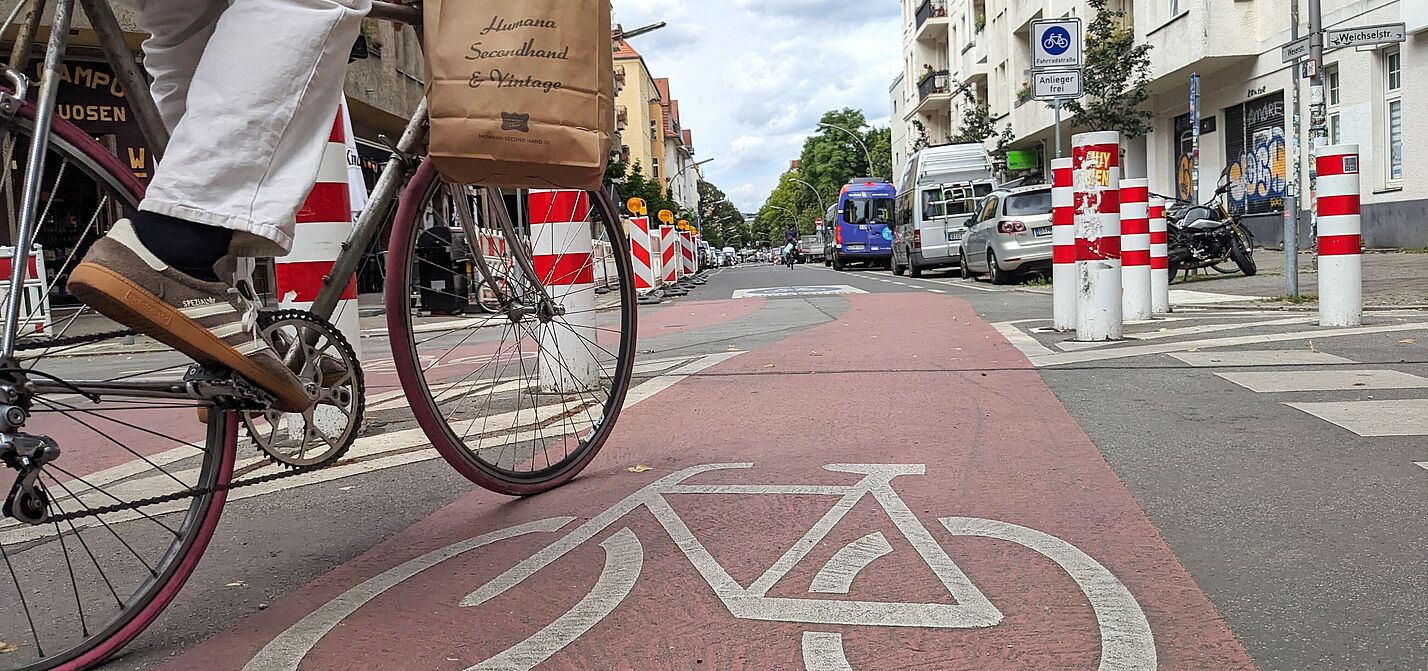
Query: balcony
[934, 92]
[622, 117]
[932, 20]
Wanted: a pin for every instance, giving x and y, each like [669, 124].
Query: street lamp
[866, 153]
[816, 193]
[675, 181]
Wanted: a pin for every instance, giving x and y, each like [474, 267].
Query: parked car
[1010, 235]
[810, 249]
[940, 191]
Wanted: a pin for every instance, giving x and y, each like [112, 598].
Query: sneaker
[207, 321]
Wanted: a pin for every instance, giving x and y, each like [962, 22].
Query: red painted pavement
[680, 317]
[945, 391]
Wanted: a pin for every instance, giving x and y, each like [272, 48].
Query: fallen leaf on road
[814, 354]
[1312, 348]
[1193, 349]
[641, 468]
[237, 583]
[6, 648]
[1407, 341]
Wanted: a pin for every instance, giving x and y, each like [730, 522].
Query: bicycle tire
[413, 373]
[181, 556]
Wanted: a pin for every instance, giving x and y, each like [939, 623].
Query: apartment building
[651, 134]
[1246, 97]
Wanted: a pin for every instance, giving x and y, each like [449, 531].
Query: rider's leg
[250, 119]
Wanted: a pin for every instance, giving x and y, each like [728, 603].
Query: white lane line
[1423, 464]
[1058, 359]
[1072, 346]
[1268, 357]
[937, 291]
[1187, 297]
[966, 284]
[1273, 382]
[1027, 344]
[1373, 419]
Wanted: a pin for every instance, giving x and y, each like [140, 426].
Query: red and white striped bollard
[1096, 175]
[670, 260]
[561, 253]
[641, 255]
[1159, 259]
[1063, 246]
[1340, 236]
[1135, 250]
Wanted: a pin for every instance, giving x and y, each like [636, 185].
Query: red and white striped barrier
[562, 255]
[1159, 259]
[323, 224]
[1096, 176]
[1063, 245]
[35, 315]
[1135, 250]
[643, 254]
[670, 261]
[604, 262]
[1340, 243]
[691, 266]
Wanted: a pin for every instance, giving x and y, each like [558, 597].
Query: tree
[978, 126]
[879, 142]
[630, 182]
[1117, 72]
[720, 222]
[921, 142]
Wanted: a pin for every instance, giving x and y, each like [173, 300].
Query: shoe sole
[119, 298]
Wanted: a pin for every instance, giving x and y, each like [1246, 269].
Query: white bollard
[323, 224]
[1135, 250]
[1159, 259]
[1063, 246]
[1096, 175]
[1340, 243]
[561, 251]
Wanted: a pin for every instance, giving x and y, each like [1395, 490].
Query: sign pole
[1291, 200]
[1318, 131]
[1194, 138]
[1057, 106]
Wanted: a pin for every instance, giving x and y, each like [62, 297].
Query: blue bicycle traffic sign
[1056, 40]
[1056, 44]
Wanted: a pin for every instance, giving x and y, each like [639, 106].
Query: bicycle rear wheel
[519, 400]
[84, 568]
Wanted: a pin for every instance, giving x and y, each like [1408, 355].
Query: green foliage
[922, 142]
[630, 182]
[978, 126]
[719, 221]
[1116, 75]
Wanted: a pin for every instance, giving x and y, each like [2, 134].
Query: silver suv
[1009, 235]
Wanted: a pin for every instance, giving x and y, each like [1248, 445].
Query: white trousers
[249, 90]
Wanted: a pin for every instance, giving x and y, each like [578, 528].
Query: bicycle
[114, 490]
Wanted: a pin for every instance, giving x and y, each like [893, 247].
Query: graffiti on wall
[1255, 145]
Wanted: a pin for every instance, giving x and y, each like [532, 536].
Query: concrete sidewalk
[1391, 279]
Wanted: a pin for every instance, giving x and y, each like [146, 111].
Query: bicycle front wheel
[519, 399]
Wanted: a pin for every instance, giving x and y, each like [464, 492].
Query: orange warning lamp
[636, 206]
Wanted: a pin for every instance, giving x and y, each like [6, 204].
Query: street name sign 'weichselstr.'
[1387, 33]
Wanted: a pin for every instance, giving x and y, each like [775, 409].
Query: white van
[938, 194]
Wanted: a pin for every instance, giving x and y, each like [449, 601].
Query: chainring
[327, 365]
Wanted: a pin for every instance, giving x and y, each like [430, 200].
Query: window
[1393, 112]
[1029, 204]
[1331, 83]
[868, 210]
[989, 209]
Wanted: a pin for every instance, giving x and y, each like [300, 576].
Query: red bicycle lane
[855, 496]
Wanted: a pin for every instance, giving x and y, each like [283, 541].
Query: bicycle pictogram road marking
[1127, 643]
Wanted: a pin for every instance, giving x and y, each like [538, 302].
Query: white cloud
[754, 76]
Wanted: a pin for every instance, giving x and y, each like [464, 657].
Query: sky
[754, 76]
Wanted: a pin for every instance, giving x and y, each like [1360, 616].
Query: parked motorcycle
[1208, 235]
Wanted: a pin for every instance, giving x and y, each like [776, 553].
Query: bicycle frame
[116, 52]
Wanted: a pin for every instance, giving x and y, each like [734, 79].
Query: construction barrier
[691, 266]
[603, 259]
[1340, 244]
[1135, 250]
[670, 254]
[1063, 245]
[562, 253]
[323, 225]
[1096, 178]
[1159, 259]
[643, 254]
[35, 315]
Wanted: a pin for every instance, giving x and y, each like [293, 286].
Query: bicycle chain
[178, 496]
[74, 340]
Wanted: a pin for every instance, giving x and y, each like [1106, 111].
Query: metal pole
[867, 154]
[1318, 129]
[1057, 106]
[1291, 200]
[1194, 138]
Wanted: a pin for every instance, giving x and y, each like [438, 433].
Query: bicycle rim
[97, 571]
[517, 405]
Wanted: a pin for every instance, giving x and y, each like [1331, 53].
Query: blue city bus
[861, 224]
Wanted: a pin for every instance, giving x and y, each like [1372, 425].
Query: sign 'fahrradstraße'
[1056, 44]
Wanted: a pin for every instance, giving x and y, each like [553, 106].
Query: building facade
[1247, 98]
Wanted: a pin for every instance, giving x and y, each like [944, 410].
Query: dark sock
[189, 247]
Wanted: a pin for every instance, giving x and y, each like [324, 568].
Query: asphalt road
[1246, 532]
